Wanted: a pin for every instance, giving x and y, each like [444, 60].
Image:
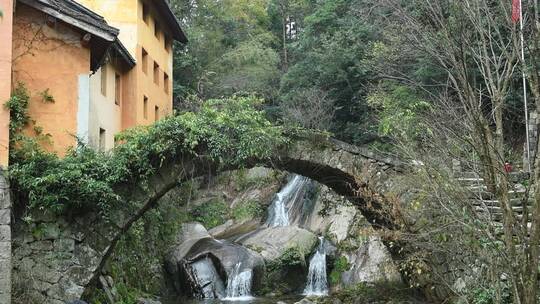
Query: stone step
[476, 188]
[497, 209]
[481, 192]
[498, 216]
[486, 202]
[467, 181]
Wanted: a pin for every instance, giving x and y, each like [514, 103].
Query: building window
[166, 83]
[145, 107]
[157, 30]
[145, 61]
[102, 134]
[167, 43]
[156, 73]
[145, 14]
[117, 89]
[104, 80]
[156, 113]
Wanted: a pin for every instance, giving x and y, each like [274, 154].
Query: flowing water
[317, 284]
[239, 284]
[279, 211]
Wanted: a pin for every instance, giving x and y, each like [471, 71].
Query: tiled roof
[76, 15]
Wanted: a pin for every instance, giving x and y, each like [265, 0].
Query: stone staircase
[485, 202]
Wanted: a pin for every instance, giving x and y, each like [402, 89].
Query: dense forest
[434, 90]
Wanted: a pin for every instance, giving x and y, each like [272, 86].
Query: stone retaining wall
[5, 241]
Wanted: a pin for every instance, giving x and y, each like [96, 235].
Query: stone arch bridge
[68, 255]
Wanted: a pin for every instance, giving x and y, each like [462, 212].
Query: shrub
[248, 210]
[340, 265]
[211, 213]
[226, 131]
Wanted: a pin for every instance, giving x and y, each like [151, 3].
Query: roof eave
[105, 35]
[170, 18]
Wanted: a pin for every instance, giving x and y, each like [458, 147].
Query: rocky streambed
[309, 241]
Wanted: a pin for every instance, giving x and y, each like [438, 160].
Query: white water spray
[279, 213]
[317, 284]
[239, 284]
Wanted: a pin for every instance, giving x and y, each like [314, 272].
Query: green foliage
[331, 55]
[488, 296]
[18, 108]
[46, 96]
[248, 210]
[292, 256]
[365, 293]
[250, 67]
[135, 265]
[211, 213]
[400, 110]
[229, 48]
[227, 132]
[340, 265]
[483, 296]
[21, 145]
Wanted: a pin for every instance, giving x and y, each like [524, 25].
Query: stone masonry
[5, 241]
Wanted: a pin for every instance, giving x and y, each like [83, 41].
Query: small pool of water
[255, 300]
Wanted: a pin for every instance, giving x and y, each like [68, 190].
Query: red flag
[516, 10]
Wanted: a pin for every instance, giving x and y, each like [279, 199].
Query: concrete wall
[6, 24]
[50, 57]
[104, 112]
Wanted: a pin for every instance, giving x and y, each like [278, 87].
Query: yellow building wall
[158, 53]
[52, 58]
[105, 113]
[136, 34]
[6, 26]
[121, 14]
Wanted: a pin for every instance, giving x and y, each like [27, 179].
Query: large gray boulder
[230, 229]
[201, 265]
[272, 242]
[370, 263]
[315, 200]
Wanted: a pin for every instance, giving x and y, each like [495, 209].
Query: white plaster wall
[83, 108]
[104, 113]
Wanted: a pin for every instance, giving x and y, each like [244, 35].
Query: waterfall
[316, 282]
[279, 211]
[239, 284]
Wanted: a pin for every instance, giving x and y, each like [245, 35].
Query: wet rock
[305, 301]
[191, 234]
[337, 220]
[370, 263]
[272, 242]
[232, 229]
[213, 259]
